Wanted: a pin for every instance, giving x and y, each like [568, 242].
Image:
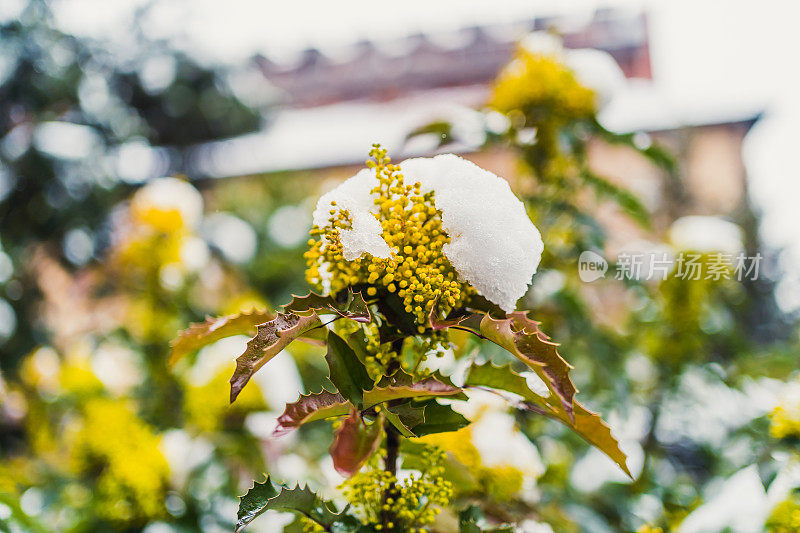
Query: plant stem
[390, 465]
[392, 447]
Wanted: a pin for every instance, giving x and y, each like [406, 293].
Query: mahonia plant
[402, 257]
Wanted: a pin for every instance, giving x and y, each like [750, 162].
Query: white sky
[738, 47]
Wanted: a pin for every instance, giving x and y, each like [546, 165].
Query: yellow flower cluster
[785, 518]
[417, 271]
[379, 356]
[415, 501]
[540, 84]
[133, 472]
[502, 482]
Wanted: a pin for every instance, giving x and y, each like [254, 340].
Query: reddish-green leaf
[299, 321]
[269, 340]
[202, 334]
[521, 337]
[355, 441]
[583, 422]
[311, 407]
[402, 385]
[327, 404]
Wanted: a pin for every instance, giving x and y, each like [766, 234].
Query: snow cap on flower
[354, 196]
[493, 244]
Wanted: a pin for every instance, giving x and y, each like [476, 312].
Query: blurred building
[471, 57]
[337, 103]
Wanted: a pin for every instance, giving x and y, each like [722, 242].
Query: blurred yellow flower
[785, 518]
[785, 417]
[649, 529]
[124, 450]
[167, 205]
[207, 407]
[76, 377]
[541, 86]
[500, 482]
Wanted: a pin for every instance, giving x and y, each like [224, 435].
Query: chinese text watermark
[658, 266]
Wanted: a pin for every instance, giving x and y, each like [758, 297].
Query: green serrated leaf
[347, 372]
[202, 334]
[501, 378]
[269, 497]
[439, 419]
[522, 337]
[583, 422]
[358, 342]
[355, 441]
[404, 417]
[347, 304]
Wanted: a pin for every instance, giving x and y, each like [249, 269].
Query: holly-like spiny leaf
[354, 442]
[521, 337]
[202, 334]
[310, 408]
[438, 419]
[270, 339]
[328, 404]
[585, 423]
[302, 318]
[402, 385]
[269, 497]
[347, 304]
[404, 417]
[347, 372]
